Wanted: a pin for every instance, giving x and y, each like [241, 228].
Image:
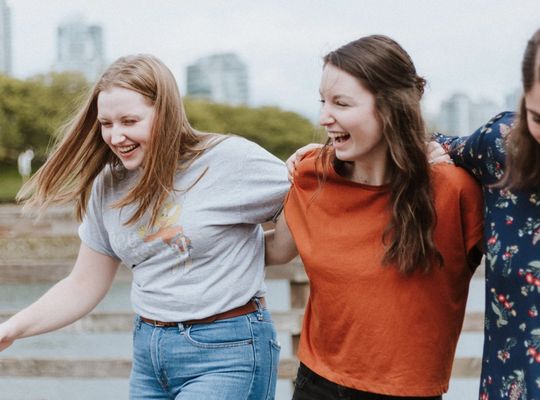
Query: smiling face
[350, 117]
[126, 119]
[532, 105]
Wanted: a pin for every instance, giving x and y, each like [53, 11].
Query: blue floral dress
[511, 359]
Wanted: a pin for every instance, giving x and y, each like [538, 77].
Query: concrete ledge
[52, 266]
[39, 247]
[102, 322]
[94, 368]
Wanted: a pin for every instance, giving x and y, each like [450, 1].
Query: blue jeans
[229, 359]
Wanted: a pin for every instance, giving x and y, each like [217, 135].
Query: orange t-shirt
[367, 326]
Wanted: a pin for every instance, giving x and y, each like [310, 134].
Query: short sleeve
[482, 153]
[261, 184]
[92, 231]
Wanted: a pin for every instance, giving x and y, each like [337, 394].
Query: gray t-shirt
[205, 254]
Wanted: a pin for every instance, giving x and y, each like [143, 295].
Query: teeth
[338, 136]
[127, 149]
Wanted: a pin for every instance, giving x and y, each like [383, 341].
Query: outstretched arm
[67, 301]
[279, 243]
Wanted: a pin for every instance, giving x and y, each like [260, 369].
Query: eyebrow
[337, 96]
[536, 114]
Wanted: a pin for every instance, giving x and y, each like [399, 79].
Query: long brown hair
[81, 154]
[522, 169]
[384, 68]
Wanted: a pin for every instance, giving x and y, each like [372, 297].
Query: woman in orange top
[388, 242]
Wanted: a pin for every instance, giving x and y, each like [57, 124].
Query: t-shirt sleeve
[482, 153]
[471, 203]
[260, 186]
[92, 231]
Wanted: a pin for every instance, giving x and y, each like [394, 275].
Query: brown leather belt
[247, 308]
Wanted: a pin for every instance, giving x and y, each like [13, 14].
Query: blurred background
[246, 67]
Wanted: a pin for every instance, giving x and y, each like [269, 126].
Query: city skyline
[219, 77]
[80, 47]
[5, 39]
[470, 47]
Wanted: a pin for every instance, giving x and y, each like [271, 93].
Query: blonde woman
[182, 210]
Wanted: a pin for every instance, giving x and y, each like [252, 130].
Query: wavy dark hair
[522, 169]
[385, 69]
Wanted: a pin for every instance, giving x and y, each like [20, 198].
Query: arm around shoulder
[67, 301]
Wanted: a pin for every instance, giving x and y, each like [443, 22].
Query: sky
[469, 46]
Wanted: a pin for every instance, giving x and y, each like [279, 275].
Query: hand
[436, 154]
[292, 161]
[5, 342]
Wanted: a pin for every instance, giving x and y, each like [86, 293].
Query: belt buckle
[159, 324]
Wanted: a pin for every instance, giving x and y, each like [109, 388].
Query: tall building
[5, 39]
[482, 111]
[221, 78]
[455, 115]
[80, 48]
[512, 99]
[459, 115]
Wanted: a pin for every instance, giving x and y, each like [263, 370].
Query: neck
[374, 175]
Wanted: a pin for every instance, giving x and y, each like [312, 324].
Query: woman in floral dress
[504, 155]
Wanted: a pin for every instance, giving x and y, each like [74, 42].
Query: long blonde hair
[81, 154]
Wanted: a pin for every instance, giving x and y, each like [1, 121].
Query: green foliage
[280, 132]
[10, 181]
[32, 110]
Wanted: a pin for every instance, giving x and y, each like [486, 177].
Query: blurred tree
[32, 110]
[280, 132]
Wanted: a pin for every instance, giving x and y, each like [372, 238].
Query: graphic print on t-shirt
[170, 232]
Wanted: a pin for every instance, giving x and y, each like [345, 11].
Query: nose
[325, 118]
[117, 136]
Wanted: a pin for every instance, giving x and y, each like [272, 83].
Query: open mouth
[124, 150]
[338, 137]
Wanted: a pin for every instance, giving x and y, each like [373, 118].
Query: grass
[10, 182]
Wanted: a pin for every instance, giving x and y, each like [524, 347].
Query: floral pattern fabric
[511, 355]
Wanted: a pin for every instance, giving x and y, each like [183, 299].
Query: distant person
[389, 243]
[181, 209]
[504, 156]
[24, 164]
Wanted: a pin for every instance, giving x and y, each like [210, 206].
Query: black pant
[310, 386]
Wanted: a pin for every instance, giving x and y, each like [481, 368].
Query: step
[14, 388]
[47, 269]
[15, 223]
[45, 247]
[120, 368]
[287, 321]
[73, 354]
[86, 389]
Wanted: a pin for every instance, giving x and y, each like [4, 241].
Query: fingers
[445, 158]
[293, 161]
[291, 167]
[437, 154]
